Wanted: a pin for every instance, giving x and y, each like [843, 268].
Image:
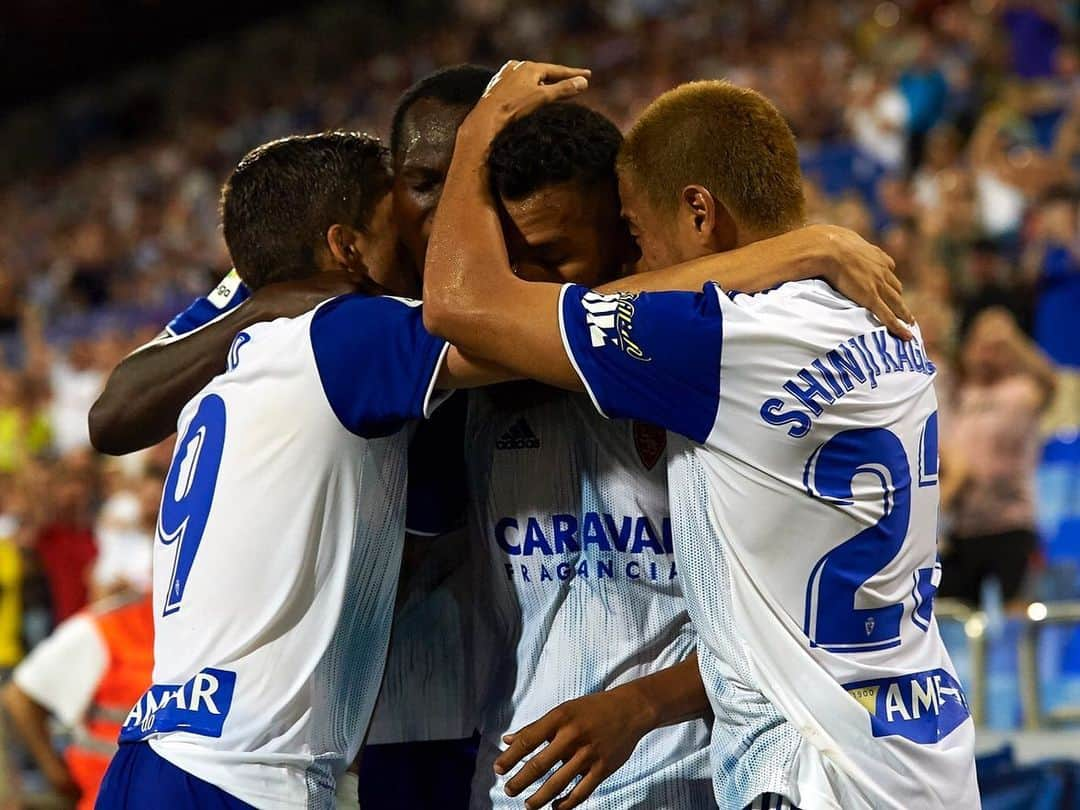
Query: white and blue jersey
[578, 588]
[428, 682]
[278, 549]
[803, 479]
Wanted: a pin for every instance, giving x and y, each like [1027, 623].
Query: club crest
[650, 442]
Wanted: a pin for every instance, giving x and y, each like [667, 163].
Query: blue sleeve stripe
[569, 348]
[191, 320]
[227, 296]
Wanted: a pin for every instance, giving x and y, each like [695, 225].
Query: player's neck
[745, 235]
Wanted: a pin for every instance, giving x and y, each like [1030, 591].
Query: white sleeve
[63, 672]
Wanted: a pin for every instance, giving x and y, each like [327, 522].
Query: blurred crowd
[949, 132]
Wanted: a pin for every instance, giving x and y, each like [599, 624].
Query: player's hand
[865, 274]
[521, 87]
[288, 299]
[591, 737]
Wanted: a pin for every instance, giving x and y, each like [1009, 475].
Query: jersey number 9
[189, 491]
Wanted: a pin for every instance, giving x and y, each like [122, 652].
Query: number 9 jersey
[804, 500]
[278, 549]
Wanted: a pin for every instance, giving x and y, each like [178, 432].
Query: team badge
[650, 442]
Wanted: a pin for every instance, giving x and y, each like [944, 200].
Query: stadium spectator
[87, 675]
[64, 542]
[991, 440]
[125, 537]
[1055, 254]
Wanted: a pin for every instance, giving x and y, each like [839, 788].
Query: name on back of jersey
[826, 380]
[924, 707]
[200, 705]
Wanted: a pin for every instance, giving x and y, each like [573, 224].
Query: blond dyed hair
[729, 139]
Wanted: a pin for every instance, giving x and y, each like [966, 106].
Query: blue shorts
[388, 775]
[138, 778]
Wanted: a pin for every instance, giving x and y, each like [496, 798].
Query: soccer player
[419, 720]
[577, 593]
[577, 580]
[282, 513]
[802, 454]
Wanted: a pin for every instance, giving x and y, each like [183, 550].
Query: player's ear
[712, 225]
[346, 246]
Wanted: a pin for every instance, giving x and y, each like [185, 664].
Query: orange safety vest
[128, 633]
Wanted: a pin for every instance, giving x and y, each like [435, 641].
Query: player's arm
[532, 329]
[58, 678]
[862, 272]
[471, 297]
[145, 393]
[594, 735]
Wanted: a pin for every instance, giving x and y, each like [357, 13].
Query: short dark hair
[283, 196]
[457, 85]
[557, 143]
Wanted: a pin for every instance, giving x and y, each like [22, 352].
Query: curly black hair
[283, 196]
[556, 144]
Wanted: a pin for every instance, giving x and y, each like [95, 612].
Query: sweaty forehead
[428, 132]
[557, 210]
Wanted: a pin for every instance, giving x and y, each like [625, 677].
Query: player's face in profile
[427, 145]
[380, 247]
[654, 232]
[564, 233]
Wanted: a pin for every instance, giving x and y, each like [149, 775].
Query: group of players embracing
[675, 548]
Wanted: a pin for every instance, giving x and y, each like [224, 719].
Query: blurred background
[948, 132]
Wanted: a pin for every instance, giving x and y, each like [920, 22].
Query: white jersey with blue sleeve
[804, 501]
[427, 692]
[278, 549]
[577, 590]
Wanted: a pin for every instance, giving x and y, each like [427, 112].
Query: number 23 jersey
[804, 503]
[278, 548]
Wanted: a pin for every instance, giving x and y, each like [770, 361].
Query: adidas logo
[519, 437]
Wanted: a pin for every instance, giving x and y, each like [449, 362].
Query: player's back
[803, 469]
[578, 582]
[279, 542]
[809, 551]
